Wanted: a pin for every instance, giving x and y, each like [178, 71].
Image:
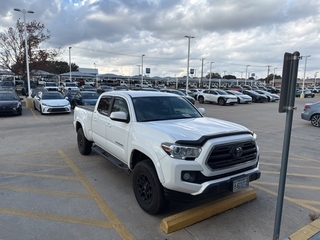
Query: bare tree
[12, 48]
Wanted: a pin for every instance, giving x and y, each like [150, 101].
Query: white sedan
[51, 102]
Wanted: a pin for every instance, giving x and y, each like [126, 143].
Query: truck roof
[134, 94]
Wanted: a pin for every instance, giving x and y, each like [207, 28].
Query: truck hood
[194, 128]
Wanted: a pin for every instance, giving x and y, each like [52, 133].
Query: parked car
[87, 87]
[307, 93]
[246, 87]
[311, 112]
[218, 96]
[104, 88]
[242, 98]
[24, 90]
[10, 103]
[273, 90]
[191, 99]
[66, 85]
[256, 97]
[84, 98]
[272, 97]
[236, 88]
[51, 102]
[51, 86]
[7, 85]
[74, 91]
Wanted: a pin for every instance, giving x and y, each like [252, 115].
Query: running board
[110, 158]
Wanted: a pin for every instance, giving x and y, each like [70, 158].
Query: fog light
[188, 176]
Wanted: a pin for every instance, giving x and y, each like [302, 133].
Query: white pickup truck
[173, 151]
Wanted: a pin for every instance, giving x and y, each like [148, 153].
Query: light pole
[315, 80]
[70, 64]
[142, 69]
[210, 75]
[96, 72]
[274, 74]
[24, 12]
[187, 84]
[245, 80]
[304, 75]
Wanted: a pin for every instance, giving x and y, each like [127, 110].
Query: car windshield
[51, 84]
[92, 95]
[7, 83]
[47, 96]
[221, 92]
[163, 108]
[71, 85]
[7, 96]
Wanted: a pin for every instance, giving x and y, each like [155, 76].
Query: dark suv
[24, 90]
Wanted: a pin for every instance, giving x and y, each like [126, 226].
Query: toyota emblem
[237, 152]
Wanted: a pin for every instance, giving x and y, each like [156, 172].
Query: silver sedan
[51, 102]
[311, 112]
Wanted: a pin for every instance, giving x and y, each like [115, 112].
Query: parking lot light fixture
[24, 12]
[210, 75]
[274, 74]
[189, 37]
[142, 70]
[70, 63]
[245, 80]
[304, 74]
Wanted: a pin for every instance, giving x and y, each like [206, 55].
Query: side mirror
[119, 116]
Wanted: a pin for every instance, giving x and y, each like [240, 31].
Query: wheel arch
[138, 156]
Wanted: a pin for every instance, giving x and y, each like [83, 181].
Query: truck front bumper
[211, 189]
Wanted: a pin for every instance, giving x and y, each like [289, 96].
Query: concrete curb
[309, 232]
[189, 217]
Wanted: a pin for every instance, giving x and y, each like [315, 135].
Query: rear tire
[84, 145]
[315, 120]
[147, 188]
[201, 99]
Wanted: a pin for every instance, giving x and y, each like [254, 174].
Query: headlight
[181, 152]
[44, 104]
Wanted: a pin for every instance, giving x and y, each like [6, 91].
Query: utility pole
[268, 73]
[202, 59]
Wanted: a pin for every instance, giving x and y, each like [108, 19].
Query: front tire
[315, 120]
[147, 188]
[221, 101]
[84, 145]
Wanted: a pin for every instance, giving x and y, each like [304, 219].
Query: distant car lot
[46, 182]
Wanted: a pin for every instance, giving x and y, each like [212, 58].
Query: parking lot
[48, 190]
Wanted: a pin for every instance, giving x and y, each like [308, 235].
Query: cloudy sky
[228, 34]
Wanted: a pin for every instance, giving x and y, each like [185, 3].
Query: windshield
[92, 95]
[8, 96]
[51, 84]
[71, 85]
[221, 92]
[163, 108]
[47, 96]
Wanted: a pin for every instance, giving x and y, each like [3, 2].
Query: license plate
[240, 183]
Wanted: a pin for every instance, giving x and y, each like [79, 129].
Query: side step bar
[110, 158]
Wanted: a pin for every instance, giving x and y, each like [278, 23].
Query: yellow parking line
[289, 185]
[115, 221]
[40, 175]
[34, 114]
[292, 174]
[290, 165]
[32, 164]
[47, 192]
[58, 218]
[299, 202]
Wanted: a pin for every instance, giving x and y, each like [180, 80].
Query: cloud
[233, 34]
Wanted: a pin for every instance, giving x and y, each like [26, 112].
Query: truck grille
[226, 155]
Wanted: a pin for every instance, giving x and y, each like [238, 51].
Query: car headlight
[44, 104]
[181, 152]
